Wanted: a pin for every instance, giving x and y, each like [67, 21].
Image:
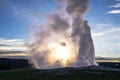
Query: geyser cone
[65, 40]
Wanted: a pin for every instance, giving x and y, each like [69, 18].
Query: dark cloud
[4, 45]
[58, 24]
[77, 6]
[74, 7]
[9, 52]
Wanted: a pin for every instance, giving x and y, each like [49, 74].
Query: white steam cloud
[65, 39]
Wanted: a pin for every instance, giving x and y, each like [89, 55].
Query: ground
[88, 73]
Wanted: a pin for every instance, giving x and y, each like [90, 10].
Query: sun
[61, 53]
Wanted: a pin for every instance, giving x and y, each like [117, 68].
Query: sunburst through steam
[61, 53]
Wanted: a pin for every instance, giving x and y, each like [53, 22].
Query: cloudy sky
[17, 16]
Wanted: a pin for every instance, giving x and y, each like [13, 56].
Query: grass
[74, 74]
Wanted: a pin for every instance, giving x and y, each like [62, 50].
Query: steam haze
[65, 40]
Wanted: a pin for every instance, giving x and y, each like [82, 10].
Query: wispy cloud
[32, 16]
[117, 0]
[116, 5]
[114, 12]
[12, 47]
[12, 44]
[13, 55]
[106, 32]
[12, 41]
[107, 40]
[28, 14]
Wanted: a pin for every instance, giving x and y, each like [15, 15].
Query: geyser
[65, 40]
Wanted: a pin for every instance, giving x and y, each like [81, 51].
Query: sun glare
[61, 53]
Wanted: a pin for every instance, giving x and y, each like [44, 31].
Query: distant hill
[108, 58]
[6, 64]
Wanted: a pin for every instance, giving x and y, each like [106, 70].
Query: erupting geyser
[65, 40]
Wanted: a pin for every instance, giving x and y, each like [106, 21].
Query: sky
[17, 16]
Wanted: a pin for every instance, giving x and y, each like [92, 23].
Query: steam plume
[68, 34]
